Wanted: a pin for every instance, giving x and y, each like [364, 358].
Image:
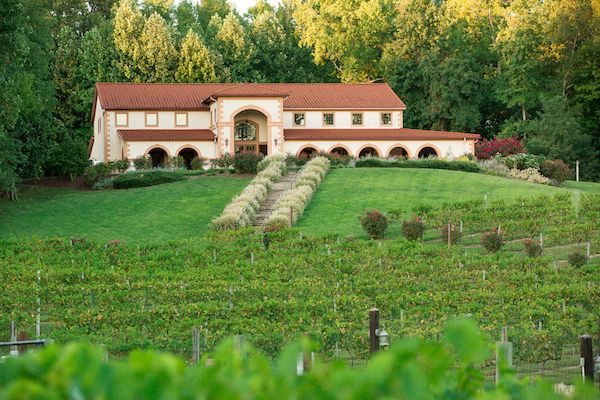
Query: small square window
[181, 119]
[299, 119]
[151, 119]
[357, 119]
[121, 119]
[328, 119]
[386, 118]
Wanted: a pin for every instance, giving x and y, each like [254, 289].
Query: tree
[350, 34]
[235, 50]
[209, 8]
[158, 56]
[195, 61]
[128, 26]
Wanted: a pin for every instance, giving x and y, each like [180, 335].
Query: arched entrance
[188, 154]
[427, 152]
[158, 157]
[368, 152]
[398, 152]
[250, 132]
[339, 151]
[308, 152]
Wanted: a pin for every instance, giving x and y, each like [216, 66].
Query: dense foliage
[410, 369]
[413, 229]
[135, 179]
[519, 69]
[374, 223]
[246, 162]
[433, 163]
[486, 149]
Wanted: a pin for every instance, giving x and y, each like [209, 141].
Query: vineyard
[128, 297]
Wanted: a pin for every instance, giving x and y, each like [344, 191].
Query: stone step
[285, 183]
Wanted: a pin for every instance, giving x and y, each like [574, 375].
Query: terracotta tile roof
[143, 135]
[300, 96]
[373, 134]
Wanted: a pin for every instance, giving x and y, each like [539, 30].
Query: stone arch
[340, 146]
[399, 146]
[426, 150]
[377, 152]
[158, 155]
[251, 107]
[304, 150]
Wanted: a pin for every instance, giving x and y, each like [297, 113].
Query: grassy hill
[146, 215]
[346, 194]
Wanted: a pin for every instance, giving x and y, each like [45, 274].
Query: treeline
[519, 68]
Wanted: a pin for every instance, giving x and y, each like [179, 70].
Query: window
[328, 119]
[181, 119]
[357, 119]
[245, 131]
[121, 119]
[299, 119]
[386, 118]
[151, 119]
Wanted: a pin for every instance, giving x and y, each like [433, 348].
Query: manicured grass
[146, 215]
[348, 193]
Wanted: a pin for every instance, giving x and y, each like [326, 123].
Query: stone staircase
[279, 187]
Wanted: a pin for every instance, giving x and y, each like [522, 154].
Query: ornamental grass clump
[291, 204]
[374, 223]
[241, 210]
[413, 229]
[492, 241]
[532, 248]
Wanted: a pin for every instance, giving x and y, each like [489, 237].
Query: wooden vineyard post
[577, 170]
[373, 328]
[587, 358]
[504, 354]
[196, 345]
[449, 237]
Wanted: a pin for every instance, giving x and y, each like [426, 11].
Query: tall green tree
[158, 55]
[195, 61]
[128, 26]
[234, 49]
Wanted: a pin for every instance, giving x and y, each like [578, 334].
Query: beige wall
[97, 151]
[453, 148]
[342, 119]
[136, 149]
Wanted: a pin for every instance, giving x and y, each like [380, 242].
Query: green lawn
[147, 215]
[346, 194]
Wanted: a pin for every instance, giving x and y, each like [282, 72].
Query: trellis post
[504, 354]
[587, 358]
[373, 327]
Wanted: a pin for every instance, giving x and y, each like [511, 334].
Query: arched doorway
[398, 152]
[368, 152]
[250, 132]
[308, 152]
[427, 152]
[158, 157]
[339, 151]
[188, 154]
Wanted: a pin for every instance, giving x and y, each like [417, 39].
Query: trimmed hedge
[137, 179]
[465, 166]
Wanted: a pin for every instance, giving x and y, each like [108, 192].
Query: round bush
[532, 248]
[556, 170]
[413, 229]
[577, 259]
[246, 162]
[374, 223]
[492, 241]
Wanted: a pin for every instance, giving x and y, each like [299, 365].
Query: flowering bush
[556, 169]
[530, 175]
[505, 146]
[292, 202]
[523, 161]
[492, 241]
[374, 223]
[532, 248]
[413, 229]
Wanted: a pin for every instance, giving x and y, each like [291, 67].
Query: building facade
[212, 119]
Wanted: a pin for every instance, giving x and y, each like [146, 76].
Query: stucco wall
[342, 119]
[97, 151]
[136, 149]
[444, 147]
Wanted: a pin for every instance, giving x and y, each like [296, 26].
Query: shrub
[413, 229]
[136, 179]
[556, 170]
[532, 248]
[577, 259]
[141, 163]
[175, 162]
[433, 163]
[197, 163]
[224, 161]
[523, 161]
[374, 223]
[246, 162]
[455, 235]
[486, 149]
[494, 166]
[492, 241]
[121, 165]
[530, 175]
[96, 173]
[268, 160]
